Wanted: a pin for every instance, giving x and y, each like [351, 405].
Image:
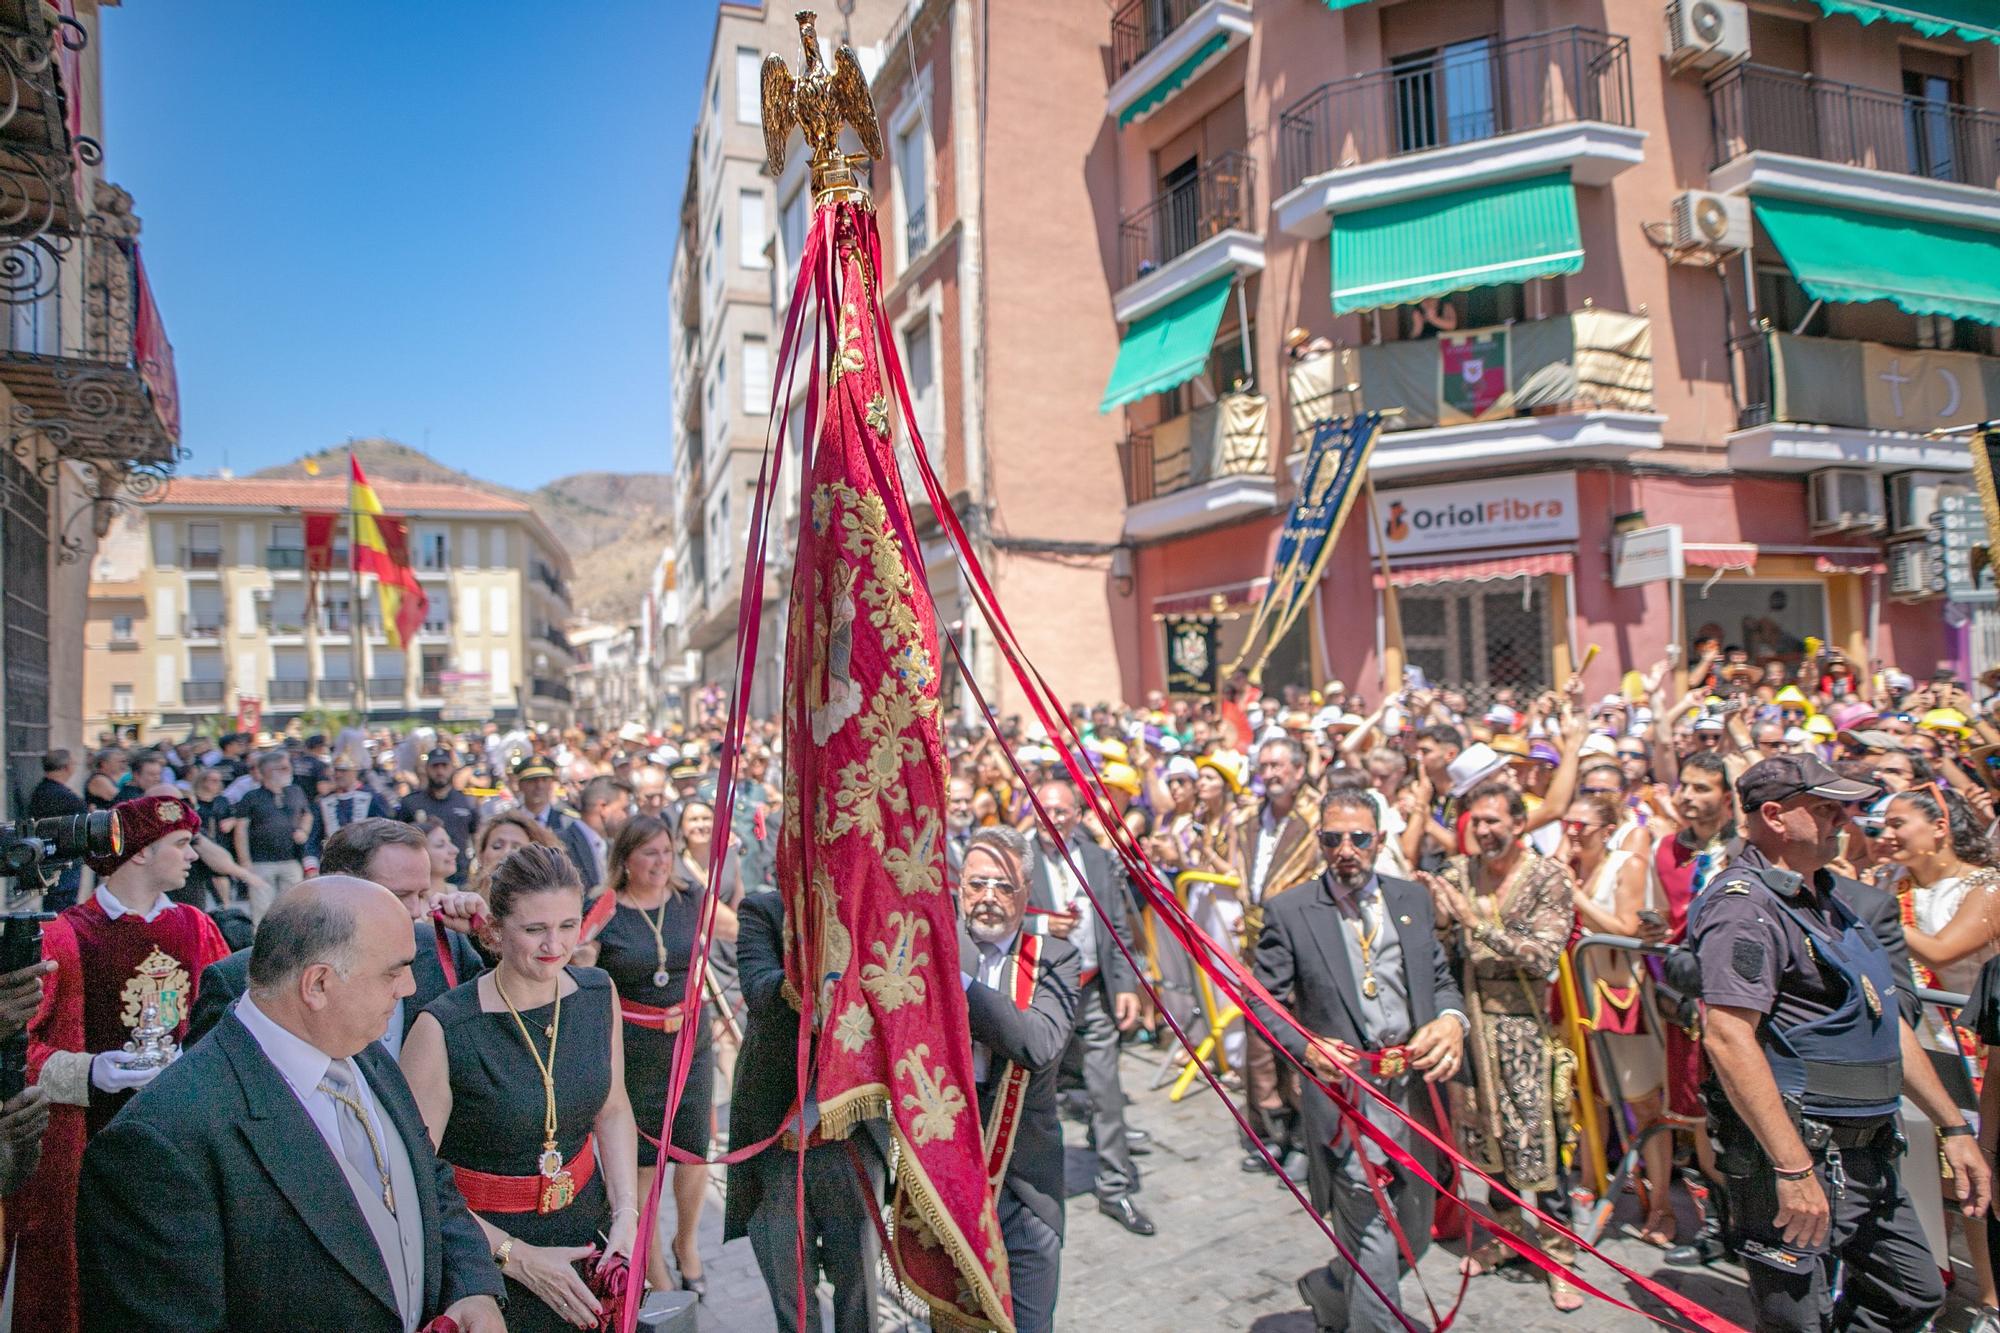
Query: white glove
[108, 1075]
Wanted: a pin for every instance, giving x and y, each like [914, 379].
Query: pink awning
[1861, 560]
[1720, 555]
[1482, 571]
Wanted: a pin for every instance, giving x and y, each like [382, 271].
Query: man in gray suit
[1355, 958]
[1108, 1002]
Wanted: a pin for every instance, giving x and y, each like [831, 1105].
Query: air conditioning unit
[1914, 498]
[1844, 499]
[1711, 223]
[1707, 34]
[1913, 570]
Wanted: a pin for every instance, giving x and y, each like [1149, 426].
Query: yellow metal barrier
[1218, 1019]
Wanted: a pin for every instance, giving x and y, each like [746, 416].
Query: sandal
[1564, 1296]
[1486, 1257]
[1659, 1230]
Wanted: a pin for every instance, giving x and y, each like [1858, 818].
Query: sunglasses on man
[1331, 840]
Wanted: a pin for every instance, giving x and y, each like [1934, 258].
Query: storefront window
[1478, 637]
[1764, 619]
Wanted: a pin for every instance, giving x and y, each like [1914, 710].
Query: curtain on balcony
[1967, 20]
[1403, 252]
[1925, 268]
[1168, 346]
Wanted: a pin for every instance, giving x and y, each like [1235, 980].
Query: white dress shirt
[303, 1066]
[1069, 896]
[992, 971]
[115, 909]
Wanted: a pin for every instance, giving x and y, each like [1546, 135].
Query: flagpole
[1392, 614]
[356, 618]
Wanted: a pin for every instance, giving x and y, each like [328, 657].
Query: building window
[434, 550]
[437, 613]
[1933, 129]
[715, 241]
[121, 700]
[121, 630]
[1444, 96]
[204, 546]
[913, 188]
[749, 85]
[920, 369]
[751, 236]
[756, 376]
[715, 93]
[792, 229]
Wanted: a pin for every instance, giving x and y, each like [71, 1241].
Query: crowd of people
[453, 967]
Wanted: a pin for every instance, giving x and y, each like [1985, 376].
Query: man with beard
[1356, 959]
[1275, 851]
[442, 803]
[1511, 910]
[1812, 1055]
[1019, 1032]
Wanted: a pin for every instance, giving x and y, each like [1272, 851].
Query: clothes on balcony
[1168, 346]
[1924, 268]
[1398, 253]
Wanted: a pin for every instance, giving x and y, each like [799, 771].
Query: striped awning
[1478, 236]
[1720, 555]
[1481, 571]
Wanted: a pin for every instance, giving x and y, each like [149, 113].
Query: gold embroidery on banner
[878, 414]
[911, 1219]
[848, 360]
[937, 1102]
[996, 1249]
[893, 980]
[836, 944]
[856, 1027]
[915, 865]
[159, 978]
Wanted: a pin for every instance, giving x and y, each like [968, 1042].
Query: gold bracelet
[501, 1255]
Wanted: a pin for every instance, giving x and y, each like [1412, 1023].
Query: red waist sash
[486, 1193]
[648, 1016]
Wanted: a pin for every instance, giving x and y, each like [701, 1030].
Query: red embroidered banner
[861, 852]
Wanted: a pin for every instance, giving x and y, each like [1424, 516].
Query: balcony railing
[1227, 438]
[1463, 94]
[284, 557]
[385, 687]
[194, 557]
[201, 692]
[82, 345]
[1137, 26]
[1752, 107]
[202, 625]
[916, 232]
[286, 691]
[542, 687]
[1215, 199]
[431, 685]
[42, 146]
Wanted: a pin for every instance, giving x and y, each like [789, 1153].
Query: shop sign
[1193, 647]
[467, 696]
[1475, 515]
[1647, 555]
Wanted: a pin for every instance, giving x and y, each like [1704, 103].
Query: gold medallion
[1394, 1062]
[1874, 1000]
[1368, 986]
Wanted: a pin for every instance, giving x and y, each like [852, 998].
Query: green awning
[1403, 252]
[1174, 78]
[1338, 5]
[1168, 346]
[1967, 20]
[1926, 268]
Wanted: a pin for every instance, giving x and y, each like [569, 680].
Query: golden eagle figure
[819, 101]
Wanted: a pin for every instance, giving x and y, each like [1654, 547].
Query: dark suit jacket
[1107, 882]
[1302, 961]
[577, 843]
[225, 980]
[211, 1202]
[1034, 1038]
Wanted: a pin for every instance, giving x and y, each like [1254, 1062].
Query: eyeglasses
[1331, 840]
[990, 884]
[1575, 826]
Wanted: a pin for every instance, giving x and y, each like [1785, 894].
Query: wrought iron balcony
[543, 687]
[1209, 443]
[385, 687]
[202, 625]
[278, 558]
[1215, 199]
[286, 691]
[1753, 108]
[1465, 93]
[195, 692]
[1137, 26]
[42, 145]
[201, 557]
[83, 347]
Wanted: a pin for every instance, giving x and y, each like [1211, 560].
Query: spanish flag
[382, 548]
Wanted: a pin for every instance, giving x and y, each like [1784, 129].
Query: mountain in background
[613, 524]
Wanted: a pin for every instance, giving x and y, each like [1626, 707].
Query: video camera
[31, 851]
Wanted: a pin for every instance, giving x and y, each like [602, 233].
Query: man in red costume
[127, 945]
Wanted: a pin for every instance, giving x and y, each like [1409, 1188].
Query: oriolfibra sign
[1474, 515]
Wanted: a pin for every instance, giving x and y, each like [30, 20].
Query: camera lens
[70, 837]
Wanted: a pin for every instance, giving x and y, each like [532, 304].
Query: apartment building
[87, 382]
[725, 339]
[200, 601]
[1711, 264]
[609, 680]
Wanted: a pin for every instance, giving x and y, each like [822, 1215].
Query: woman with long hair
[1942, 868]
[520, 1078]
[647, 945]
[443, 853]
[1611, 888]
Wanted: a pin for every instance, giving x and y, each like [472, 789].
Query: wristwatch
[501, 1255]
[1959, 1131]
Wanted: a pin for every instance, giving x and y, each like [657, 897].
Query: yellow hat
[1945, 719]
[1820, 725]
[1224, 768]
[1112, 749]
[1792, 694]
[1123, 777]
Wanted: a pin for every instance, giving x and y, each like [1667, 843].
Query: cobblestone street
[1230, 1247]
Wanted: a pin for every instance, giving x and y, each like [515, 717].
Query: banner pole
[1392, 614]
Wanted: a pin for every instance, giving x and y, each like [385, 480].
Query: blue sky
[450, 221]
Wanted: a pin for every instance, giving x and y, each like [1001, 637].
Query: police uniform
[453, 809]
[1781, 944]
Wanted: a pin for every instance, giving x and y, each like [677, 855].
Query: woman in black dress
[520, 1077]
[646, 946]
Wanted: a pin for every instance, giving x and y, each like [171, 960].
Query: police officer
[442, 803]
[1810, 1055]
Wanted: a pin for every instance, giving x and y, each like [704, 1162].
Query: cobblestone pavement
[1231, 1245]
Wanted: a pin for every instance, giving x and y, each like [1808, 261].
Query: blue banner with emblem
[1328, 484]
